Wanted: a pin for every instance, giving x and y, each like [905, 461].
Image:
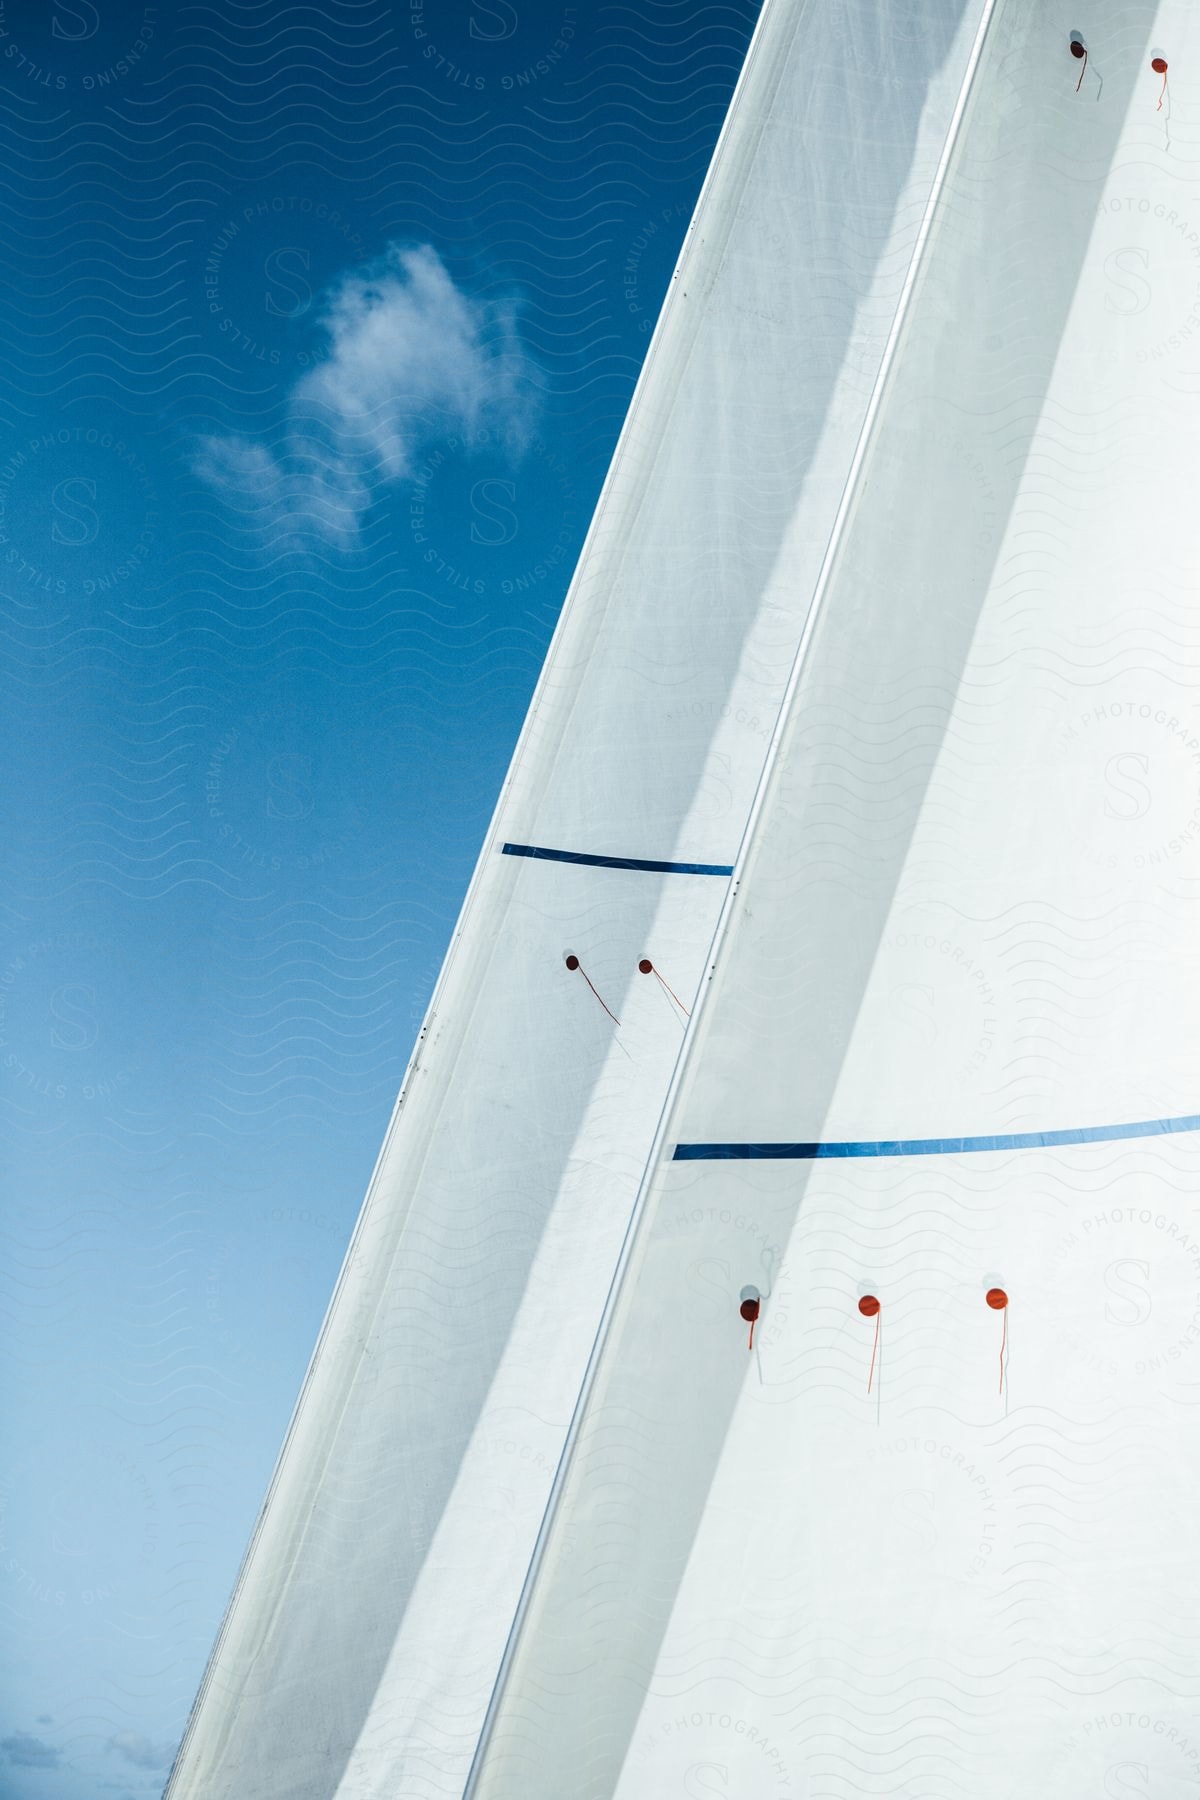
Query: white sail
[933, 1534]
[364, 1637]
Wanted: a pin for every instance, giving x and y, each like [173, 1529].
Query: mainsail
[931, 1534]
[885, 604]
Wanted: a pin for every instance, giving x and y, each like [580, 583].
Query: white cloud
[409, 359]
[139, 1750]
[25, 1751]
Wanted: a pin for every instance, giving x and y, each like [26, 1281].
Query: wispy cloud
[409, 358]
[139, 1750]
[24, 1751]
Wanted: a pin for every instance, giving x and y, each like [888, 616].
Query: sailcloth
[364, 1637]
[935, 1534]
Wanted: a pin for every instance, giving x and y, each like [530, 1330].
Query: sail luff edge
[674, 296]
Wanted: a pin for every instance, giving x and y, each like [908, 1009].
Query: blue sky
[320, 326]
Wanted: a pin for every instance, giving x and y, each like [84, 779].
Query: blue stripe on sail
[1013, 1140]
[615, 862]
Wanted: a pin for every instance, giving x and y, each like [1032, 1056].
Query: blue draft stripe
[615, 862]
[1015, 1140]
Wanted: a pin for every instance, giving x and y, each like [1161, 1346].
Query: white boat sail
[932, 1535]
[903, 433]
